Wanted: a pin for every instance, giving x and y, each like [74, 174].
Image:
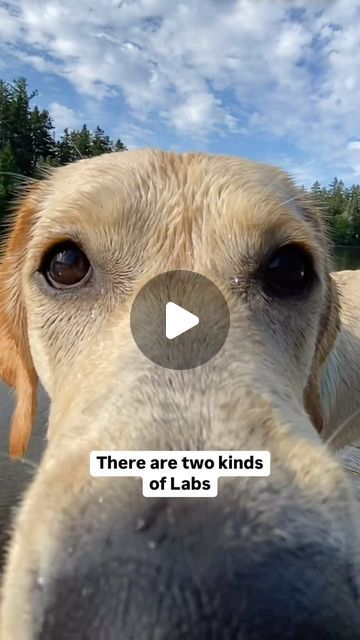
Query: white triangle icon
[178, 320]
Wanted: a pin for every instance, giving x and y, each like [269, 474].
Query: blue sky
[276, 81]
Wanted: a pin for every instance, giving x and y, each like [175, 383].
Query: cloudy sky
[277, 80]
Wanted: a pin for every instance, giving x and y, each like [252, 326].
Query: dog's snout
[187, 569]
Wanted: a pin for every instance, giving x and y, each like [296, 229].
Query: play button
[179, 319]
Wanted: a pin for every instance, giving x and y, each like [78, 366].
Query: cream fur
[138, 214]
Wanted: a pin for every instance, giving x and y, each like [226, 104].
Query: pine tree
[43, 144]
[100, 143]
[5, 107]
[316, 188]
[119, 145]
[27, 141]
[65, 151]
[9, 178]
[355, 212]
[19, 127]
[81, 141]
[337, 200]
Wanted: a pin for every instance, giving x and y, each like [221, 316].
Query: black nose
[184, 570]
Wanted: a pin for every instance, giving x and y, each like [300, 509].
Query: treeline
[27, 140]
[341, 206]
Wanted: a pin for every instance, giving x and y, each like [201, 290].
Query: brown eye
[289, 272]
[65, 265]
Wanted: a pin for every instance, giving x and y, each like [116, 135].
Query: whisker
[15, 175]
[76, 149]
[342, 426]
[276, 179]
[25, 461]
[298, 195]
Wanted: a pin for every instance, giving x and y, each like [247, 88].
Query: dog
[268, 558]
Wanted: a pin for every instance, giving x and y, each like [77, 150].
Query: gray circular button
[179, 319]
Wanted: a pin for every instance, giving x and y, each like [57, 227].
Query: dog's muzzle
[203, 569]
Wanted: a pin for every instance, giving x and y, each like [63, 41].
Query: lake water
[347, 258]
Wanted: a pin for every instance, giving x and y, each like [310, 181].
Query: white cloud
[355, 144]
[134, 136]
[8, 27]
[198, 114]
[284, 70]
[63, 117]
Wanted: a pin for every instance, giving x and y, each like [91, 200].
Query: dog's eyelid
[52, 243]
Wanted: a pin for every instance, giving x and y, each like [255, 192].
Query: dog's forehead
[176, 203]
[148, 168]
[145, 174]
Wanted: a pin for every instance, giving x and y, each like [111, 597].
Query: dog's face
[269, 558]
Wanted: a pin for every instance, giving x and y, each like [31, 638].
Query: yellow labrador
[269, 558]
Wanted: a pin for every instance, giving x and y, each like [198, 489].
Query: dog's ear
[16, 366]
[328, 329]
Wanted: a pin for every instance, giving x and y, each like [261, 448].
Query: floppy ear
[16, 366]
[328, 329]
